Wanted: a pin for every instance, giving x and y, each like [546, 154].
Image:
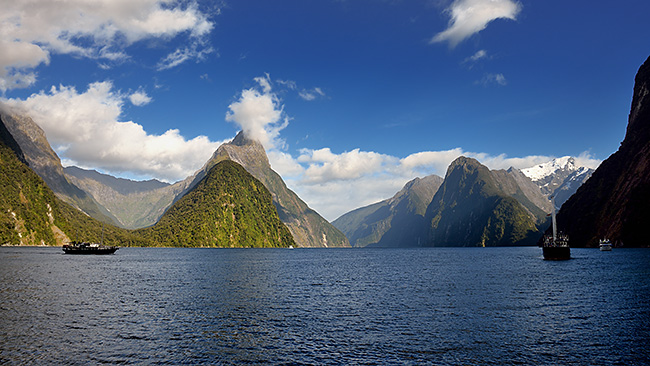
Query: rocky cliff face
[43, 161]
[308, 228]
[395, 222]
[473, 208]
[614, 202]
[133, 204]
[559, 177]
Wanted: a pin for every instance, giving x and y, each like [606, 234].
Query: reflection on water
[324, 306]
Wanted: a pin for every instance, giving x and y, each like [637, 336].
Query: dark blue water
[324, 306]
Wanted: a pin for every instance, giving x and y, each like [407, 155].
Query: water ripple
[302, 307]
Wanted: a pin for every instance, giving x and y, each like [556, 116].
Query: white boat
[605, 245]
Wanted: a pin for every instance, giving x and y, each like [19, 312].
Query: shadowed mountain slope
[395, 222]
[614, 202]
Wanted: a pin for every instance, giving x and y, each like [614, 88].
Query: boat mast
[553, 218]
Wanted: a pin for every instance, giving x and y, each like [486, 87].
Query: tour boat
[88, 248]
[605, 245]
[556, 247]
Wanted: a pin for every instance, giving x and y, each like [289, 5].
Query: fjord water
[324, 306]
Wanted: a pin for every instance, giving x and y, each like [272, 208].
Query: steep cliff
[43, 161]
[395, 222]
[308, 228]
[614, 202]
[473, 208]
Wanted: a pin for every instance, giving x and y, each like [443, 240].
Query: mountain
[308, 228]
[119, 185]
[30, 212]
[134, 204]
[40, 157]
[472, 207]
[614, 202]
[227, 208]
[395, 222]
[514, 183]
[559, 177]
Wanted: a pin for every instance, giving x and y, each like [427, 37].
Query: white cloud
[85, 130]
[469, 17]
[335, 183]
[480, 54]
[311, 94]
[183, 54]
[290, 84]
[498, 79]
[587, 160]
[140, 98]
[259, 114]
[100, 29]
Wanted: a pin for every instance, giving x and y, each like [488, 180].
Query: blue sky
[350, 98]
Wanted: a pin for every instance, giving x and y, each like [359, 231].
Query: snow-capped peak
[541, 171]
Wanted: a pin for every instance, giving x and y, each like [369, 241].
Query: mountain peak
[246, 152]
[242, 140]
[541, 171]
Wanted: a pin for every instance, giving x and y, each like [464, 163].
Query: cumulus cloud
[586, 159]
[85, 130]
[259, 114]
[469, 17]
[140, 98]
[33, 30]
[335, 183]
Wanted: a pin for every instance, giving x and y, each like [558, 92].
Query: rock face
[133, 204]
[614, 202]
[31, 214]
[395, 222]
[26, 204]
[559, 177]
[43, 160]
[474, 207]
[227, 208]
[308, 228]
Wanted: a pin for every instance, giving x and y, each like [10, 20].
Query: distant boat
[605, 245]
[556, 247]
[89, 248]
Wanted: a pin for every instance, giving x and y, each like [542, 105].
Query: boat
[88, 248]
[556, 247]
[605, 245]
[76, 247]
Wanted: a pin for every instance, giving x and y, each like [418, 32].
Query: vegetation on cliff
[227, 208]
[470, 209]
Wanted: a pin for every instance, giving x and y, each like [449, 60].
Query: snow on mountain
[541, 171]
[559, 177]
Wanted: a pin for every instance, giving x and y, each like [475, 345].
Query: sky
[350, 98]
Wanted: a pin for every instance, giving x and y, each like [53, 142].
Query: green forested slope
[228, 208]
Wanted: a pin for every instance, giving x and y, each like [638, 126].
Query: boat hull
[89, 250]
[556, 253]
